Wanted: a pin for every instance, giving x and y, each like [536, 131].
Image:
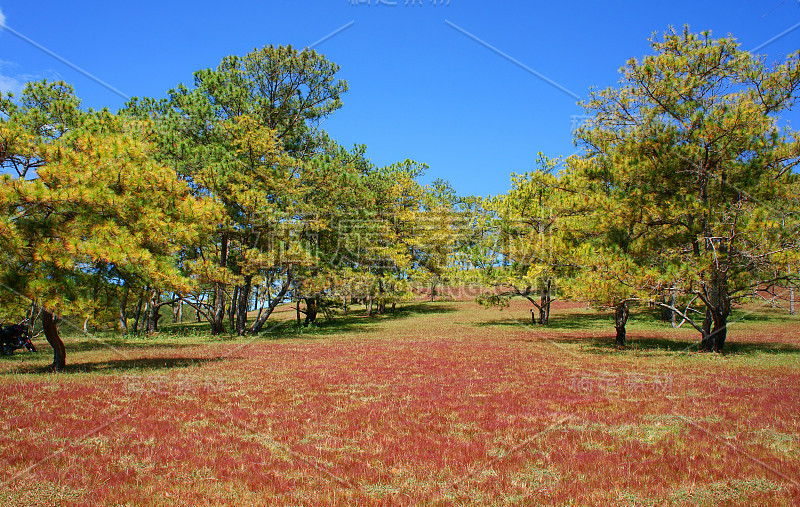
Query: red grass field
[444, 404]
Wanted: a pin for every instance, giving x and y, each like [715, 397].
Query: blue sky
[475, 89]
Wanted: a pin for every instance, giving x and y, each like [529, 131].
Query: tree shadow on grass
[124, 365]
[750, 348]
[573, 320]
[606, 345]
[136, 343]
[356, 322]
[83, 344]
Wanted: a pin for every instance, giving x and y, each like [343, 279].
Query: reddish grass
[462, 406]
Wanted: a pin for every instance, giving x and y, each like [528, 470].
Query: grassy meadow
[443, 403]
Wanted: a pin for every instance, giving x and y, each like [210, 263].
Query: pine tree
[691, 150]
[92, 208]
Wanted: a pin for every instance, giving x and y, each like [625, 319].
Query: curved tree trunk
[53, 338]
[264, 315]
[620, 320]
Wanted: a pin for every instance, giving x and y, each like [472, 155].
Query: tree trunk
[53, 338]
[664, 311]
[146, 315]
[218, 317]
[720, 332]
[620, 319]
[671, 311]
[381, 299]
[32, 317]
[244, 300]
[369, 305]
[233, 308]
[718, 308]
[668, 314]
[262, 318]
[153, 313]
[176, 306]
[544, 302]
[123, 309]
[311, 311]
[152, 322]
[139, 311]
[706, 341]
[260, 302]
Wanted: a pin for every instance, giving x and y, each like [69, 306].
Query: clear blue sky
[422, 86]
